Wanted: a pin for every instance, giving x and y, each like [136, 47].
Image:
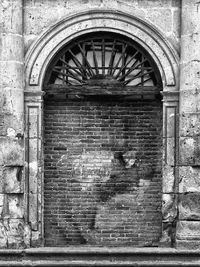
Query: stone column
[11, 124]
[188, 225]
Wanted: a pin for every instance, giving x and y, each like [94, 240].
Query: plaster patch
[11, 132]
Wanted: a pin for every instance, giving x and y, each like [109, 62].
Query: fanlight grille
[104, 57]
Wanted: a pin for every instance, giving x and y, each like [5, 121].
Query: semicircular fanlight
[104, 57]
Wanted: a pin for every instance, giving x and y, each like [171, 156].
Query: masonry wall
[188, 235]
[14, 232]
[164, 14]
[103, 172]
[20, 25]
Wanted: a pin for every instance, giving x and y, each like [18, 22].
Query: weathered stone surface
[11, 81]
[190, 97]
[189, 206]
[189, 179]
[176, 27]
[13, 180]
[33, 211]
[12, 233]
[36, 239]
[11, 152]
[170, 118]
[11, 16]
[168, 179]
[188, 230]
[15, 232]
[3, 236]
[187, 244]
[27, 235]
[14, 43]
[1, 180]
[169, 151]
[162, 18]
[2, 204]
[153, 3]
[190, 124]
[15, 206]
[176, 3]
[190, 21]
[190, 54]
[169, 207]
[166, 238]
[190, 151]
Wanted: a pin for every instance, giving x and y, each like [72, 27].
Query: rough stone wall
[12, 225]
[188, 234]
[103, 162]
[164, 14]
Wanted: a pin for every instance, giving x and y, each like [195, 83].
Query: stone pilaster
[11, 124]
[188, 233]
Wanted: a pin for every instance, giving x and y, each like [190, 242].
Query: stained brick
[90, 196]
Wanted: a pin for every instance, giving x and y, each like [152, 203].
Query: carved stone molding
[37, 61]
[51, 41]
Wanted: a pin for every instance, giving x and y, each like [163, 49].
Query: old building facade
[100, 126]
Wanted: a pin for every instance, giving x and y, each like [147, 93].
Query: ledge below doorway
[99, 256]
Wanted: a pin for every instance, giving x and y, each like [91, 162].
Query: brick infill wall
[103, 163]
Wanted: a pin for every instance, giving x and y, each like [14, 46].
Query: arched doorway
[102, 144]
[162, 58]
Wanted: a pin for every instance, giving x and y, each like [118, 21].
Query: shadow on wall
[105, 196]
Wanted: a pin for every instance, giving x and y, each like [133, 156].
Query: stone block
[169, 122]
[189, 151]
[33, 114]
[11, 125]
[190, 23]
[169, 207]
[166, 238]
[168, 179]
[190, 54]
[11, 152]
[190, 124]
[187, 244]
[15, 232]
[13, 181]
[33, 211]
[176, 3]
[189, 179]
[189, 92]
[12, 100]
[188, 230]
[3, 235]
[46, 16]
[15, 44]
[27, 235]
[153, 3]
[189, 206]
[177, 24]
[11, 17]
[2, 204]
[15, 206]
[162, 18]
[1, 180]
[36, 239]
[16, 79]
[169, 150]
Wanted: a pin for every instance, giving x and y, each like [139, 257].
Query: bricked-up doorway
[102, 144]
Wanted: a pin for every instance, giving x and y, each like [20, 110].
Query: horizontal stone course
[189, 206]
[189, 179]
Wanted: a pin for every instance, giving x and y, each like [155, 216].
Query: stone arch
[37, 60]
[51, 41]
